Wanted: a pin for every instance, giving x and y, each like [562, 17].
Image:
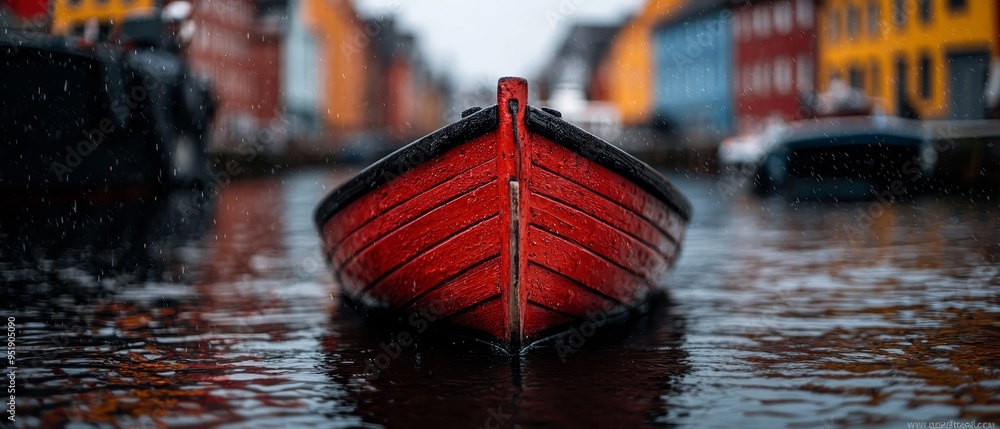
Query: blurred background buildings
[315, 76]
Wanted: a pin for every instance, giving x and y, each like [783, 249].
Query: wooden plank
[398, 227]
[487, 317]
[611, 186]
[512, 103]
[609, 242]
[584, 267]
[538, 319]
[466, 289]
[552, 187]
[557, 292]
[436, 264]
[409, 185]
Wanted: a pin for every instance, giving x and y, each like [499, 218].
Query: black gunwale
[608, 156]
[407, 158]
[485, 121]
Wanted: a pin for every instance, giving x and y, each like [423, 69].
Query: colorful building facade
[694, 89]
[774, 61]
[918, 58]
[625, 76]
[343, 47]
[300, 61]
[404, 100]
[35, 11]
[71, 16]
[236, 47]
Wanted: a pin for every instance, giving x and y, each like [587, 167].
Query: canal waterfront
[180, 312]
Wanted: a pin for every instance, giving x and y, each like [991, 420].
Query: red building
[774, 60]
[236, 47]
[28, 10]
[404, 100]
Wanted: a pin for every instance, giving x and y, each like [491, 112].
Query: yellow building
[71, 16]
[627, 69]
[344, 54]
[928, 57]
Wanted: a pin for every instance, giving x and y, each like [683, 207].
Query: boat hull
[83, 118]
[842, 159]
[506, 225]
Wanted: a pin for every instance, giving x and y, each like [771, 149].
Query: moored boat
[847, 158]
[80, 116]
[511, 225]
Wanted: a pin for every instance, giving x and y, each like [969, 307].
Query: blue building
[299, 74]
[693, 57]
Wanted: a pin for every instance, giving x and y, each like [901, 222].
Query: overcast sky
[483, 40]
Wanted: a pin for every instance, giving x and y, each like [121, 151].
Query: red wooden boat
[511, 224]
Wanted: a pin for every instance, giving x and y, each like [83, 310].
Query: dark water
[181, 312]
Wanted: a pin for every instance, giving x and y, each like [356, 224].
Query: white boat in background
[599, 118]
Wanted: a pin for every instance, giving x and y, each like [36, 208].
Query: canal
[185, 311]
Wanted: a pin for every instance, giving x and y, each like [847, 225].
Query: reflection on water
[174, 312]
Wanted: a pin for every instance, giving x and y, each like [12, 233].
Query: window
[804, 73]
[925, 76]
[874, 18]
[902, 84]
[956, 5]
[783, 16]
[747, 79]
[759, 79]
[899, 12]
[852, 22]
[856, 77]
[765, 78]
[876, 80]
[804, 13]
[746, 23]
[833, 24]
[925, 11]
[761, 20]
[783, 75]
[738, 27]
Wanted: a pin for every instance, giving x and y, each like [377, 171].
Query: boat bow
[510, 223]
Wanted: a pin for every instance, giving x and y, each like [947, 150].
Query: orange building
[626, 74]
[343, 57]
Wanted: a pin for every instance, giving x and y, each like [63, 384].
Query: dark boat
[79, 116]
[510, 225]
[968, 155]
[847, 158]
